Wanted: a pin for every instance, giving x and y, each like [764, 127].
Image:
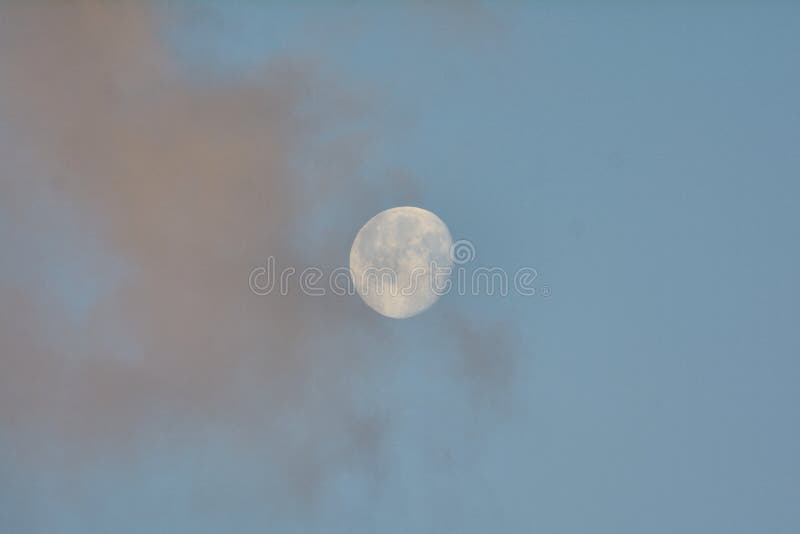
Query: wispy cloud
[178, 187]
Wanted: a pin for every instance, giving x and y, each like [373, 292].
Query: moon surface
[400, 260]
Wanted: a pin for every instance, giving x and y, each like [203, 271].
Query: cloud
[164, 192]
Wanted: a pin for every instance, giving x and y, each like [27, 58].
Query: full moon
[400, 260]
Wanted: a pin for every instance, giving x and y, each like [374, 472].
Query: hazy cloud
[151, 196]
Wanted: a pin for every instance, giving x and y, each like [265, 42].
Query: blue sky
[643, 160]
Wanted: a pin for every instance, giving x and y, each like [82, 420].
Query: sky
[642, 159]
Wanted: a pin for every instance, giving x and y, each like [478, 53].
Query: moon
[400, 261]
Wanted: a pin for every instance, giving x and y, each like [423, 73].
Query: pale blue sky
[645, 162]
